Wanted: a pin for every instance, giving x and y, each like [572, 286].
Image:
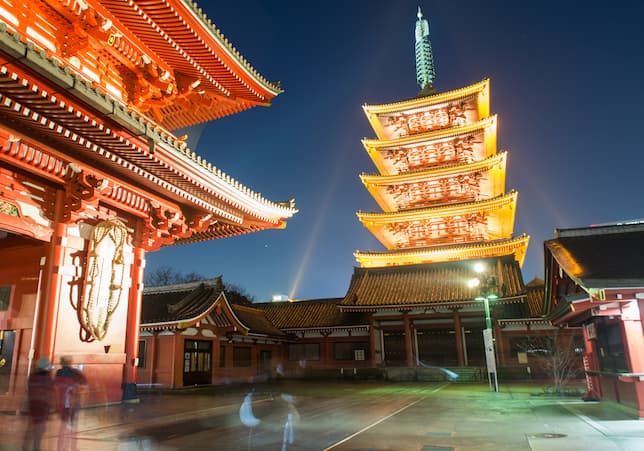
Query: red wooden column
[51, 287]
[372, 341]
[499, 345]
[134, 309]
[458, 332]
[409, 343]
[634, 348]
[591, 364]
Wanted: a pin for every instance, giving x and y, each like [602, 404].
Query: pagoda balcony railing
[437, 201]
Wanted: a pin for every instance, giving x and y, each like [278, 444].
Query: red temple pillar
[372, 341]
[634, 348]
[499, 345]
[51, 287]
[409, 343]
[134, 310]
[591, 364]
[633, 337]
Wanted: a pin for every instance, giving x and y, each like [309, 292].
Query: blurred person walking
[292, 415]
[68, 384]
[40, 397]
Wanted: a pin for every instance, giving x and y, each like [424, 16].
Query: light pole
[487, 292]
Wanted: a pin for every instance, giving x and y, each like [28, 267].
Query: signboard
[488, 342]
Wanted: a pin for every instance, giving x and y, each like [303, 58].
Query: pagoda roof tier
[377, 114]
[163, 58]
[92, 131]
[451, 252]
[423, 187]
[403, 228]
[409, 145]
[415, 286]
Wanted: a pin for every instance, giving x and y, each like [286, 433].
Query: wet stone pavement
[347, 416]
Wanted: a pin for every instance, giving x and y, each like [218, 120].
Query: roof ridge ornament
[425, 71]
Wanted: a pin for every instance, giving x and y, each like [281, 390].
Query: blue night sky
[566, 83]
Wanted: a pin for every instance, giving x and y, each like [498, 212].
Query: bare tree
[237, 294]
[163, 275]
[555, 355]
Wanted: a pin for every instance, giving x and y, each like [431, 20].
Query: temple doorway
[197, 362]
[394, 344]
[474, 345]
[437, 347]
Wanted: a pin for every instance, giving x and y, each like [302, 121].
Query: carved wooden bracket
[80, 187]
[164, 226]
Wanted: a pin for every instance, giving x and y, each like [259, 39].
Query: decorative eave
[441, 210]
[524, 321]
[169, 46]
[184, 323]
[453, 252]
[179, 31]
[425, 305]
[377, 184]
[485, 124]
[148, 154]
[501, 208]
[328, 329]
[435, 172]
[487, 127]
[271, 88]
[481, 89]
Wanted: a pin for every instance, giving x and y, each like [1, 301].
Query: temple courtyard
[348, 416]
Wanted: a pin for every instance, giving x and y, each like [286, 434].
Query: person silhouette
[40, 394]
[68, 385]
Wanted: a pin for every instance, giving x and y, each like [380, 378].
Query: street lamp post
[487, 293]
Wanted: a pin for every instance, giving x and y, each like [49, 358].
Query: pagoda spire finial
[425, 72]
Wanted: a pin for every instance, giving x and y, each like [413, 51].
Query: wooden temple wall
[236, 361]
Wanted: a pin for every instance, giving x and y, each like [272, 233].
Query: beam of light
[314, 236]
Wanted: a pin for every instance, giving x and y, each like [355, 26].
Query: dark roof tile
[313, 313]
[411, 285]
[180, 302]
[601, 257]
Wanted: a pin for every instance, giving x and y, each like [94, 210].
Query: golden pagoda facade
[440, 181]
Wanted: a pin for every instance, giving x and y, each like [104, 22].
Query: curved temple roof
[97, 130]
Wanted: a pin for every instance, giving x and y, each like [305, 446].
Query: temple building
[92, 177]
[595, 280]
[408, 312]
[441, 187]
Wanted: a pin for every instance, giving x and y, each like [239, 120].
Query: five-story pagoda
[441, 187]
[441, 182]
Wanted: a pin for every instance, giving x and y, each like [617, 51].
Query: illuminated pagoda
[92, 177]
[441, 188]
[441, 182]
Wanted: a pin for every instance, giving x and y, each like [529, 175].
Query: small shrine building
[595, 280]
[92, 178]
